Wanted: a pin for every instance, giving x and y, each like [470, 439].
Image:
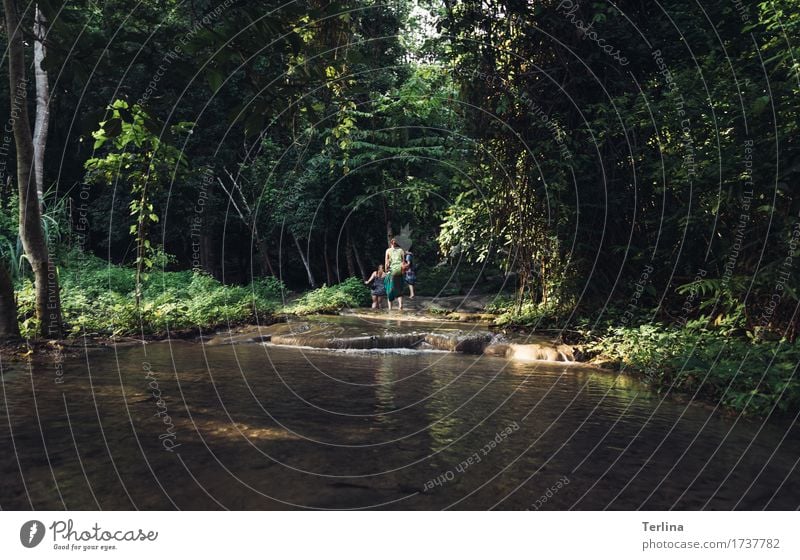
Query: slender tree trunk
[311, 280]
[358, 261]
[389, 233]
[207, 258]
[328, 267]
[42, 102]
[522, 279]
[141, 236]
[48, 303]
[265, 264]
[9, 328]
[348, 251]
[544, 283]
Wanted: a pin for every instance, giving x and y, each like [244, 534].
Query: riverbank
[716, 360]
[720, 363]
[37, 349]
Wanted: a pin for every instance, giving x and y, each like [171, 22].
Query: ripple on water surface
[263, 427]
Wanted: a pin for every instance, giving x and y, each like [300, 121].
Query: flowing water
[269, 425]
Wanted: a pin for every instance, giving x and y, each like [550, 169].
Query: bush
[528, 314]
[269, 288]
[356, 290]
[94, 277]
[708, 358]
[746, 375]
[501, 304]
[330, 299]
[98, 298]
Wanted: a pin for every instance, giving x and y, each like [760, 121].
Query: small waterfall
[349, 343]
[356, 335]
[252, 334]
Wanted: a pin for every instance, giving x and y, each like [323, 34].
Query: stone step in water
[379, 331]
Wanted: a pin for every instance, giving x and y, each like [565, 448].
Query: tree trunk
[311, 281]
[9, 328]
[389, 232]
[328, 267]
[48, 304]
[265, 264]
[42, 102]
[208, 255]
[359, 262]
[522, 279]
[141, 235]
[544, 283]
[348, 252]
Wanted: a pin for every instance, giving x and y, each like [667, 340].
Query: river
[257, 425]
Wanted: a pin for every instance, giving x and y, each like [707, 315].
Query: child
[410, 270]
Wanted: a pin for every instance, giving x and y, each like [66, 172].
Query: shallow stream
[240, 422]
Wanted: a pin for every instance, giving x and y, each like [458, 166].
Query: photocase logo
[31, 533]
[404, 237]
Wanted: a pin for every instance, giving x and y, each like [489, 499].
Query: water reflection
[266, 427]
[384, 389]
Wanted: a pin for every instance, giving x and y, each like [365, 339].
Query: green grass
[98, 299]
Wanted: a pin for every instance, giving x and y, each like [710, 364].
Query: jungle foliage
[622, 169]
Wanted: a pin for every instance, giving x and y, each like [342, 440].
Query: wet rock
[349, 343]
[497, 350]
[468, 344]
[540, 352]
[347, 334]
[251, 334]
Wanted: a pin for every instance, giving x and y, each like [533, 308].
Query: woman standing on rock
[393, 281]
[377, 288]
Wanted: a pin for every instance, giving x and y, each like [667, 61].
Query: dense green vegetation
[100, 300]
[622, 170]
[752, 377]
[328, 299]
[751, 373]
